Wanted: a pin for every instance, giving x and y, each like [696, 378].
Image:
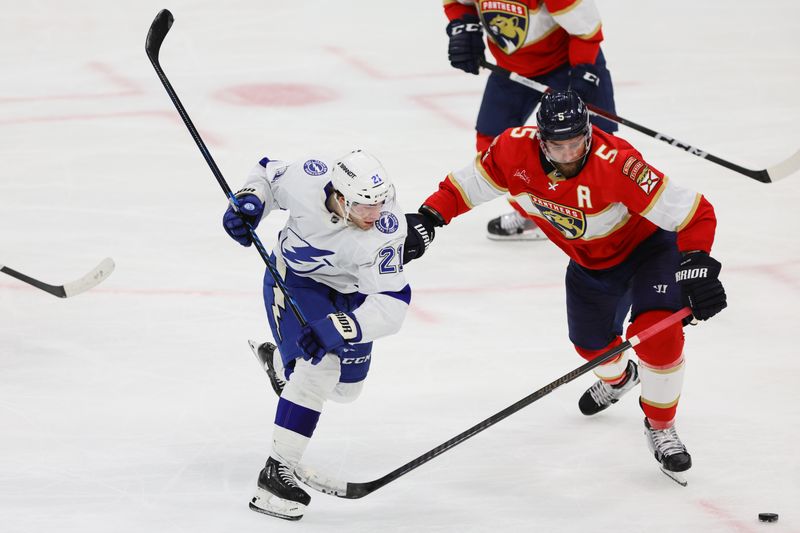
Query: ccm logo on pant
[356, 360]
[691, 274]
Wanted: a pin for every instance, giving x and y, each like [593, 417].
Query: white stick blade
[785, 168]
[92, 279]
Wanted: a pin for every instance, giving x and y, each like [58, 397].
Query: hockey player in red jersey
[636, 240]
[555, 42]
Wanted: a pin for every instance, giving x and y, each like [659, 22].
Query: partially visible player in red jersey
[636, 240]
[555, 42]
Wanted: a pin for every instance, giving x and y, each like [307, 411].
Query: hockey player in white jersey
[341, 257]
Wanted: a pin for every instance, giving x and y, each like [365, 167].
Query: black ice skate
[669, 451]
[278, 494]
[513, 227]
[601, 395]
[265, 353]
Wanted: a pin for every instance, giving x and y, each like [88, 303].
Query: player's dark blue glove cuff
[326, 335]
[235, 223]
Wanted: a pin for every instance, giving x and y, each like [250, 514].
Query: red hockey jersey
[532, 37]
[597, 217]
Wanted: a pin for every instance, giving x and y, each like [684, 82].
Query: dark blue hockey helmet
[562, 115]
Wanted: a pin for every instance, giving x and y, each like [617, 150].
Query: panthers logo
[569, 221]
[507, 23]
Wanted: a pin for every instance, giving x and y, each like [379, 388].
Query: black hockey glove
[420, 236]
[465, 50]
[421, 232]
[584, 79]
[698, 277]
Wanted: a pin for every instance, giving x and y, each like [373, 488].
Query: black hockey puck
[767, 517]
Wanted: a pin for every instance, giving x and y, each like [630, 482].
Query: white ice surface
[139, 407]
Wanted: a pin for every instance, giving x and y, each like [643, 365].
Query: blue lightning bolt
[304, 256]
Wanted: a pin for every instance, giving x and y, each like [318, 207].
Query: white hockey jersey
[318, 244]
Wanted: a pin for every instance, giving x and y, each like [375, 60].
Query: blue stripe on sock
[296, 418]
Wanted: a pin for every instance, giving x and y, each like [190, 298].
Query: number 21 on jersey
[391, 260]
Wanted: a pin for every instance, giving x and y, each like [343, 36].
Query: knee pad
[310, 385]
[660, 351]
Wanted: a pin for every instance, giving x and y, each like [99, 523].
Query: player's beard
[570, 170]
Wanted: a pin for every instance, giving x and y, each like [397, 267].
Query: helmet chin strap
[342, 210]
[346, 209]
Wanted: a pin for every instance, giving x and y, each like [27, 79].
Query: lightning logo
[278, 306]
[300, 256]
[278, 302]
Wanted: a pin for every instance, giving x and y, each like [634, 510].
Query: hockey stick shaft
[359, 490]
[93, 278]
[155, 37]
[768, 175]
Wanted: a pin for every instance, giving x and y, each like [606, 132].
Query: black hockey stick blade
[91, 279]
[767, 175]
[349, 490]
[158, 31]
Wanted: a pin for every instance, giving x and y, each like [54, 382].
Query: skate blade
[254, 346]
[677, 477]
[518, 237]
[277, 383]
[276, 515]
[267, 503]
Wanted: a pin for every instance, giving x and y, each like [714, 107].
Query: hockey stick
[155, 37]
[344, 489]
[768, 175]
[93, 278]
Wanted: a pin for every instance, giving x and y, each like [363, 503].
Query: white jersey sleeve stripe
[580, 19]
[460, 189]
[485, 175]
[591, 34]
[690, 216]
[672, 207]
[474, 185]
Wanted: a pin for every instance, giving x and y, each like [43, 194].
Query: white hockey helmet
[361, 179]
